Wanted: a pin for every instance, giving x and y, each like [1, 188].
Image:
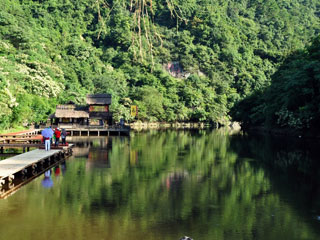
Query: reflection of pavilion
[80, 151]
[98, 159]
[95, 150]
[175, 179]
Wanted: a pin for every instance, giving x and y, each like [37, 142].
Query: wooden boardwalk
[12, 165]
[20, 137]
[26, 133]
[98, 131]
[29, 145]
[30, 163]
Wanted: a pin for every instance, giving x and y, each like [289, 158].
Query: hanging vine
[142, 27]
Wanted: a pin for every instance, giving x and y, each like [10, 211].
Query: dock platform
[27, 146]
[29, 164]
[98, 131]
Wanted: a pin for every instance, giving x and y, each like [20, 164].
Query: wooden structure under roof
[95, 113]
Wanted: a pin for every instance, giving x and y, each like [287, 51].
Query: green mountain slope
[291, 102]
[178, 60]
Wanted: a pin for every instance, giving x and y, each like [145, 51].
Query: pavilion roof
[70, 113]
[99, 99]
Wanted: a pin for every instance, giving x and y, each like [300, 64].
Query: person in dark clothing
[63, 136]
[121, 123]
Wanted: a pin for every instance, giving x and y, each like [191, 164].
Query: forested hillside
[292, 101]
[178, 60]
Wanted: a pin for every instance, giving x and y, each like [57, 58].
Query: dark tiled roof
[99, 99]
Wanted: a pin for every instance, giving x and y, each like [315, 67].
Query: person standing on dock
[57, 133]
[63, 136]
[47, 133]
[121, 122]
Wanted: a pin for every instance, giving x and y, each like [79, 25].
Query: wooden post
[88, 133]
[71, 132]
[80, 133]
[108, 133]
[41, 165]
[24, 174]
[11, 178]
[98, 133]
[55, 158]
[34, 170]
[2, 182]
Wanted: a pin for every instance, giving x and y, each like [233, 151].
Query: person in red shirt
[57, 133]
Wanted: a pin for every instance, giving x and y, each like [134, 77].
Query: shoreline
[181, 125]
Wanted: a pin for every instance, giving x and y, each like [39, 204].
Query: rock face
[176, 70]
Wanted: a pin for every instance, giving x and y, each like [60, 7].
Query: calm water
[165, 185]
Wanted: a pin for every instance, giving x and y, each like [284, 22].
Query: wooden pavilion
[96, 113]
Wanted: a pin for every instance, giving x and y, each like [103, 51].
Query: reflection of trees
[179, 181]
[294, 168]
[285, 154]
[211, 185]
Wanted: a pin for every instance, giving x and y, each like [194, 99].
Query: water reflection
[14, 184]
[47, 181]
[95, 151]
[292, 167]
[164, 185]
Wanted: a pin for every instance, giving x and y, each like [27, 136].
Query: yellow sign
[134, 111]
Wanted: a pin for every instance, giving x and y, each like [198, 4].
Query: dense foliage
[54, 51]
[292, 100]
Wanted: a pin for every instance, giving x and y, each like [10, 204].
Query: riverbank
[161, 125]
[233, 126]
[180, 125]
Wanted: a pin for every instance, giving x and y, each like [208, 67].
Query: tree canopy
[292, 99]
[177, 60]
